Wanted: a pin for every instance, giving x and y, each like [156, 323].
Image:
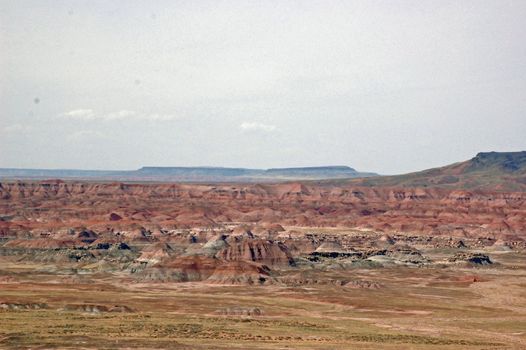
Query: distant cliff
[189, 174]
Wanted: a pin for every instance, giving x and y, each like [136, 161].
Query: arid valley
[266, 175]
[296, 264]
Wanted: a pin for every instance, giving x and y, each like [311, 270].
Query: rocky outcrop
[240, 311]
[155, 253]
[5, 305]
[262, 251]
[241, 272]
[471, 258]
[95, 308]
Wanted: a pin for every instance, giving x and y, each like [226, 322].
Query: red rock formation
[54, 206]
[240, 272]
[262, 251]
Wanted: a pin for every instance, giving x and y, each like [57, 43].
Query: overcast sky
[385, 86]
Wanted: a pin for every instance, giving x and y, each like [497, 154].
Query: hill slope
[500, 171]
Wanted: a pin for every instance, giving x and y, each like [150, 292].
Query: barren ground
[415, 308]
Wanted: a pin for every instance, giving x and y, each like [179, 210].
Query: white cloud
[123, 114]
[16, 128]
[86, 114]
[257, 126]
[89, 114]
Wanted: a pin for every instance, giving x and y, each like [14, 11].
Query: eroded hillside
[46, 207]
[261, 266]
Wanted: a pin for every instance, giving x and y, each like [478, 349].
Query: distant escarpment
[188, 174]
[497, 171]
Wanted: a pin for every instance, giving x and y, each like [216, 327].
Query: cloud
[16, 128]
[255, 126]
[123, 114]
[89, 114]
[86, 114]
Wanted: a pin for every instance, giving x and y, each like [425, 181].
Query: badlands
[299, 265]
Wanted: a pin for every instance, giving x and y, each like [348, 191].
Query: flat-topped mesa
[188, 174]
[505, 161]
[318, 172]
[321, 171]
[315, 168]
[202, 171]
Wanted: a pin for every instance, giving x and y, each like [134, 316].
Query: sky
[386, 86]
